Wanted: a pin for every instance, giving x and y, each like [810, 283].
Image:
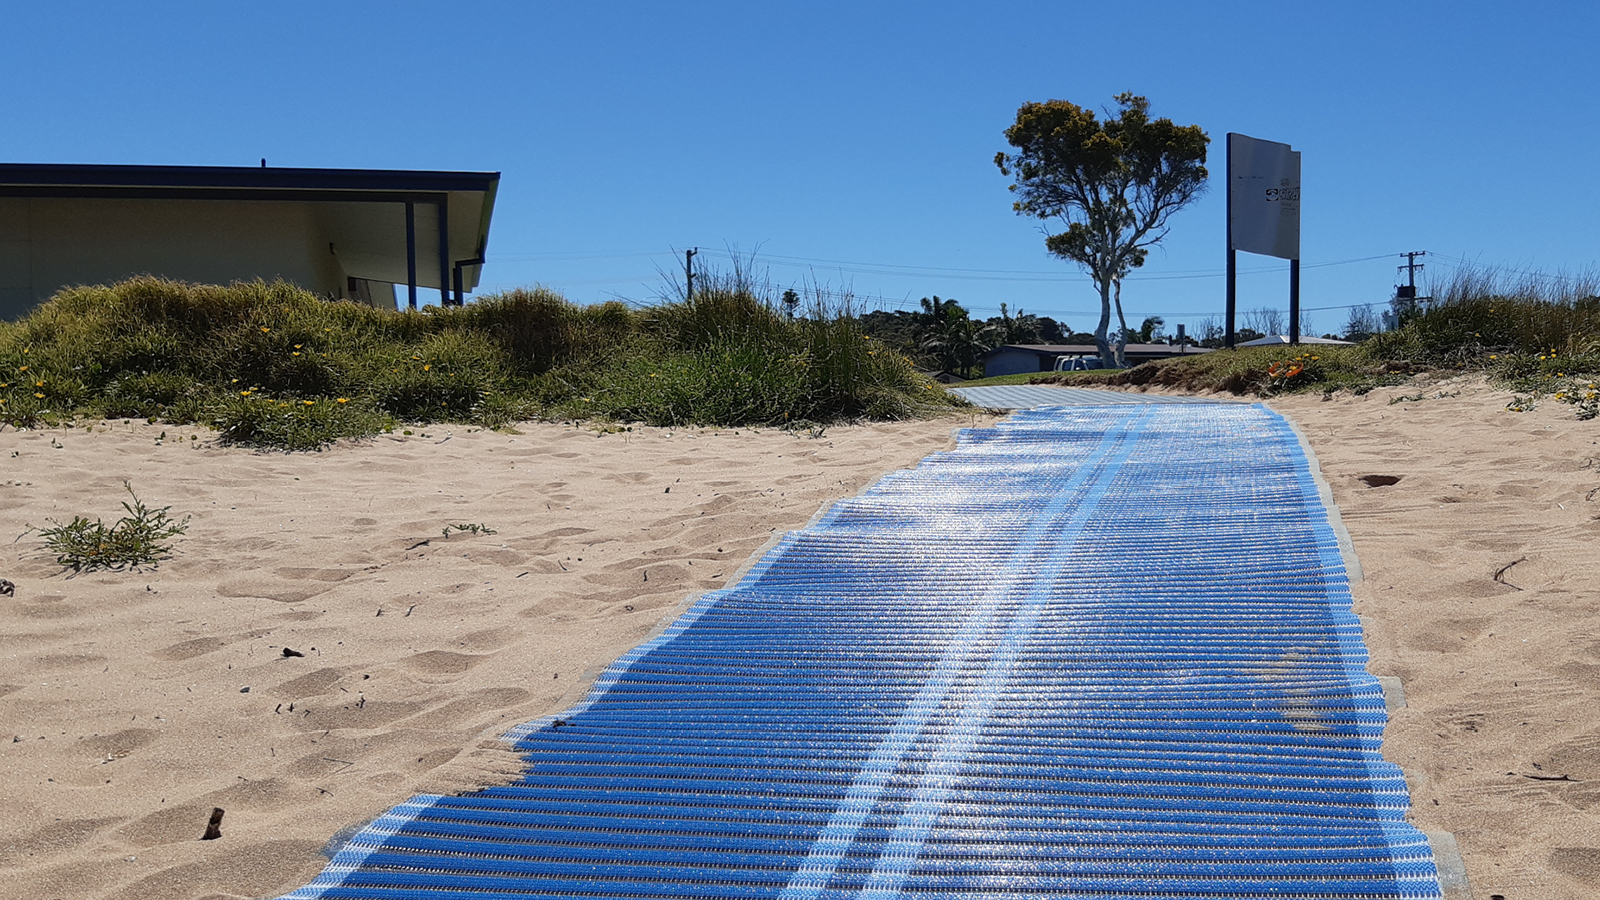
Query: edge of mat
[777, 538]
[691, 607]
[343, 850]
[1453, 884]
[1347, 547]
[1452, 871]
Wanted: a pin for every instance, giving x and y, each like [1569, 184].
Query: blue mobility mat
[1098, 652]
[1027, 396]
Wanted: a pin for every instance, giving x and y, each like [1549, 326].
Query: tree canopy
[1113, 184]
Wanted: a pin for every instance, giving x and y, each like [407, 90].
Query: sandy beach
[134, 703]
[1482, 594]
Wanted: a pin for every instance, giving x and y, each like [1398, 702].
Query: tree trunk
[1122, 330]
[1101, 345]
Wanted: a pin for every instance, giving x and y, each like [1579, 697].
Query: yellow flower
[297, 353]
[23, 369]
[344, 399]
[309, 402]
[1493, 356]
[40, 396]
[298, 346]
[265, 329]
[427, 368]
[244, 393]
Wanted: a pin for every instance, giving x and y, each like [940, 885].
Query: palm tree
[960, 345]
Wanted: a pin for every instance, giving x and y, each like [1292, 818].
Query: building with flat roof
[348, 233]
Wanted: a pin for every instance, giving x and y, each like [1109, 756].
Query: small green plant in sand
[469, 528]
[1291, 373]
[137, 539]
[1580, 393]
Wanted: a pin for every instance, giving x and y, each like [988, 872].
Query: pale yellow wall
[48, 244]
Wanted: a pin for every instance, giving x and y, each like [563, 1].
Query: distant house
[347, 233]
[1017, 359]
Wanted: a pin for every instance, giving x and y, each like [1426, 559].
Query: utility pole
[1411, 268]
[688, 273]
[1404, 304]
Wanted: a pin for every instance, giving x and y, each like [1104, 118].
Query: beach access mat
[1093, 652]
[1028, 396]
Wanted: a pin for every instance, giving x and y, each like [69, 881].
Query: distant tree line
[944, 336]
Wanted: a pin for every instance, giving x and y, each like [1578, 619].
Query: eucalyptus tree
[1112, 185]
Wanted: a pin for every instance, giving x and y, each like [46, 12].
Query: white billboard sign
[1263, 197]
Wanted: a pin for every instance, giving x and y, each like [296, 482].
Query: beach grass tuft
[270, 365]
[139, 538]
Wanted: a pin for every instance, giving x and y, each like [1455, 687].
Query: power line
[1494, 269]
[910, 271]
[929, 273]
[964, 274]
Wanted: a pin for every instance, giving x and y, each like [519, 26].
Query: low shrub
[299, 424]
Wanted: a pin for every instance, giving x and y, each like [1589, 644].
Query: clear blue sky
[850, 144]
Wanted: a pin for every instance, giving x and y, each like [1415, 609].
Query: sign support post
[1294, 301]
[1233, 284]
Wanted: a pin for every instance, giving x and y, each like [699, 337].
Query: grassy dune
[1537, 337]
[272, 365]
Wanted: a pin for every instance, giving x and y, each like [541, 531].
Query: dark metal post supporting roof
[462, 264]
[411, 251]
[444, 253]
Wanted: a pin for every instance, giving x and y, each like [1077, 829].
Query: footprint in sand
[442, 662]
